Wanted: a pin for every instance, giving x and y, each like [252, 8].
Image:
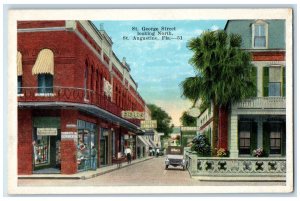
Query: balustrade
[241, 167]
[71, 95]
[262, 103]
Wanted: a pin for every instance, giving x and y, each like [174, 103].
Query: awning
[143, 140]
[44, 63]
[19, 64]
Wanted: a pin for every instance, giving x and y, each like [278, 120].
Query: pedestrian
[128, 154]
[157, 152]
[94, 158]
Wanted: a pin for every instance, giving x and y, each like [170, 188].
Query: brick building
[72, 89]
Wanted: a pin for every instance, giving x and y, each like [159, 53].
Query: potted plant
[222, 152]
[259, 152]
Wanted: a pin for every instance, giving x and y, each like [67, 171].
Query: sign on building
[190, 128]
[133, 115]
[47, 131]
[107, 87]
[68, 135]
[148, 124]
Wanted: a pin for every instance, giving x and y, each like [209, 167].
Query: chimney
[124, 61]
[101, 27]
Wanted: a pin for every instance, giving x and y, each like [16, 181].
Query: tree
[224, 75]
[162, 118]
[187, 120]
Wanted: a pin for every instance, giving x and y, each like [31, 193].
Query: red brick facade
[73, 59]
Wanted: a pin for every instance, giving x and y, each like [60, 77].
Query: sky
[159, 66]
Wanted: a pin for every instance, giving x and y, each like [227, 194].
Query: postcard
[148, 101]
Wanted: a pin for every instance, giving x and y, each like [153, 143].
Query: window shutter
[253, 140]
[49, 83]
[266, 81]
[254, 77]
[266, 138]
[283, 81]
[283, 136]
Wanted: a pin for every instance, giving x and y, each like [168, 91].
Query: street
[148, 173]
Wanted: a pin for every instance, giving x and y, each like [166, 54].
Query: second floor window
[45, 83]
[260, 36]
[19, 84]
[274, 81]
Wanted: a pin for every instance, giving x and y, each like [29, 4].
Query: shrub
[259, 152]
[201, 145]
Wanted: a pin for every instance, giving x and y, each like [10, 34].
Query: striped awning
[19, 64]
[44, 63]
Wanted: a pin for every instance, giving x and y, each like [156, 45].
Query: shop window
[259, 35]
[19, 84]
[86, 140]
[45, 83]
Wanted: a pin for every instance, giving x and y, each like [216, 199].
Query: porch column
[260, 133]
[234, 151]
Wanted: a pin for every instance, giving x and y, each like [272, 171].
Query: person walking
[157, 152]
[128, 154]
[94, 158]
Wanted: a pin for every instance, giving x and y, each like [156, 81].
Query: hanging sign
[148, 124]
[190, 128]
[107, 88]
[46, 131]
[133, 115]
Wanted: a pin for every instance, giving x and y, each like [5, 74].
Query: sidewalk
[84, 175]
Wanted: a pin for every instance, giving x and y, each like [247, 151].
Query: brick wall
[68, 146]
[25, 152]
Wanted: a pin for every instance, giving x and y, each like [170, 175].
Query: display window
[46, 148]
[85, 142]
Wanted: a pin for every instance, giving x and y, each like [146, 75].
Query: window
[259, 35]
[19, 84]
[45, 83]
[245, 142]
[275, 139]
[274, 81]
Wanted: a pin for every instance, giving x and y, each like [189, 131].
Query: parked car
[175, 157]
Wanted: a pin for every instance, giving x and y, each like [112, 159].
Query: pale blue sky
[159, 66]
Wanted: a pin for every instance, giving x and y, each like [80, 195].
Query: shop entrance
[46, 150]
[103, 151]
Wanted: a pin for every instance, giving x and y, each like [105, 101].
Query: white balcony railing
[261, 168]
[262, 103]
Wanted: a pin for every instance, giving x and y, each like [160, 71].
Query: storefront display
[86, 140]
[46, 143]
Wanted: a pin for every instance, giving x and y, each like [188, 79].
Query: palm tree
[224, 75]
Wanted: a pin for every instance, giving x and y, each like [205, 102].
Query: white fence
[262, 103]
[236, 168]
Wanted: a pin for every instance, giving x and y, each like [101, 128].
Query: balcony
[71, 95]
[262, 103]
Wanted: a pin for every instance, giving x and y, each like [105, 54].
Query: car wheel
[166, 167]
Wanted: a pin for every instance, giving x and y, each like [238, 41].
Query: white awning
[143, 140]
[19, 64]
[44, 63]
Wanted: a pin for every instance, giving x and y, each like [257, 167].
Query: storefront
[46, 145]
[87, 139]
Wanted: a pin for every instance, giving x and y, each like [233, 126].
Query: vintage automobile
[175, 157]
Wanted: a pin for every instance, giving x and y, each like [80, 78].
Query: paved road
[148, 173]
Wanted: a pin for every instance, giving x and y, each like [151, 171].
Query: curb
[84, 177]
